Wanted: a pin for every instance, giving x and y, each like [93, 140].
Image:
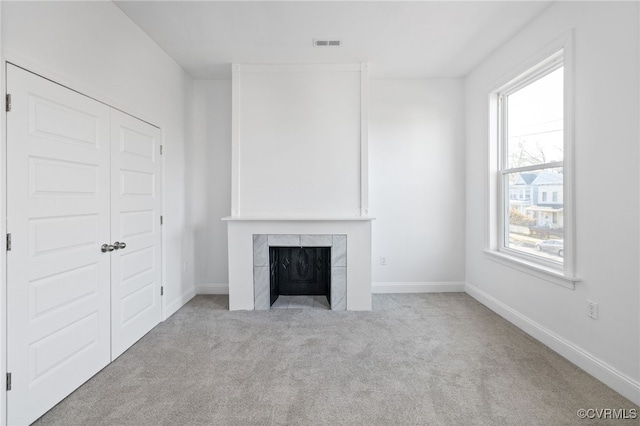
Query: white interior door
[135, 222]
[58, 311]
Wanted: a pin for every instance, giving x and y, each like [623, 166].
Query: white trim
[164, 310]
[3, 231]
[296, 218]
[534, 59]
[235, 139]
[570, 263]
[559, 51]
[418, 287]
[621, 383]
[364, 139]
[533, 268]
[306, 68]
[540, 69]
[212, 288]
[179, 302]
[528, 77]
[541, 166]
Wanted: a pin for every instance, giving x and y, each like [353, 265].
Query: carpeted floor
[416, 359]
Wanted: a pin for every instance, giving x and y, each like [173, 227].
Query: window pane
[535, 223]
[535, 122]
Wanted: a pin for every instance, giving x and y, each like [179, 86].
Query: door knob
[107, 247]
[117, 245]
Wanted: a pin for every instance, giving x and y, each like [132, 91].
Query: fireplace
[349, 239]
[300, 264]
[300, 271]
[325, 208]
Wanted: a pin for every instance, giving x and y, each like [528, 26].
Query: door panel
[135, 212]
[58, 288]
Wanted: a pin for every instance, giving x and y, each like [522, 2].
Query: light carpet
[416, 359]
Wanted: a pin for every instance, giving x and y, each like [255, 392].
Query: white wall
[94, 48]
[606, 156]
[298, 139]
[209, 171]
[416, 184]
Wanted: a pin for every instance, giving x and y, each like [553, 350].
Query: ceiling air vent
[326, 42]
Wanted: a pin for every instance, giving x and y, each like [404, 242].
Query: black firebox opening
[300, 271]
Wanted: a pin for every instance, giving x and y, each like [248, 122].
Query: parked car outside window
[551, 246]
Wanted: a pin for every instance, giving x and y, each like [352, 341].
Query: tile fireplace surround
[261, 284]
[249, 240]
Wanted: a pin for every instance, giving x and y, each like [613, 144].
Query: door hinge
[160, 149]
[161, 220]
[161, 291]
[8, 242]
[8, 103]
[8, 381]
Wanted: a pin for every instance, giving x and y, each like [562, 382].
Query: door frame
[3, 231]
[7, 57]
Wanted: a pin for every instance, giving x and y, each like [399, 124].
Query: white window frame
[558, 54]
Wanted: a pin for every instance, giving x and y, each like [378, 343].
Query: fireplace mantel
[296, 218]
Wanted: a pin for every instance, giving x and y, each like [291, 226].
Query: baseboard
[619, 382]
[418, 287]
[212, 288]
[179, 302]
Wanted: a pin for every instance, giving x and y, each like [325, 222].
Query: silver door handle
[117, 245]
[107, 247]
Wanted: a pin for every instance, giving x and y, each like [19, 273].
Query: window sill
[539, 271]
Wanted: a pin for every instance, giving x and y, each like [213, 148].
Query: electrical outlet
[592, 309]
[383, 260]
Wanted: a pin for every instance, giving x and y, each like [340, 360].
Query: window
[530, 120]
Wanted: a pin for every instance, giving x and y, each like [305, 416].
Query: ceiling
[416, 39]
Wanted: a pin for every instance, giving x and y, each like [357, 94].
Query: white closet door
[58, 215]
[135, 221]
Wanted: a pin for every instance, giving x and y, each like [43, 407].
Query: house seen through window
[531, 165]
